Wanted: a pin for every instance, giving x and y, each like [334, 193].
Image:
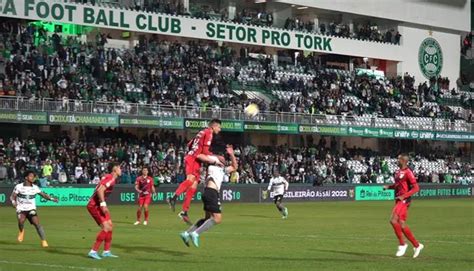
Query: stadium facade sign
[67, 196]
[324, 130]
[430, 58]
[227, 125]
[316, 193]
[229, 193]
[278, 128]
[79, 195]
[372, 192]
[27, 117]
[105, 120]
[130, 20]
[436, 191]
[454, 136]
[151, 122]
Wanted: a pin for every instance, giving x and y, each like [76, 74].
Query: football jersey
[217, 175]
[25, 197]
[278, 185]
[145, 185]
[200, 143]
[109, 182]
[404, 181]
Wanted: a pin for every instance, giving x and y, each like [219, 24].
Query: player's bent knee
[107, 226]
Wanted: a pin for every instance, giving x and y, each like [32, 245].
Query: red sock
[188, 198]
[139, 214]
[99, 239]
[183, 187]
[146, 215]
[398, 232]
[410, 236]
[108, 241]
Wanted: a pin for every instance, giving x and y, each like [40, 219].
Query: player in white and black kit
[23, 199]
[211, 197]
[278, 185]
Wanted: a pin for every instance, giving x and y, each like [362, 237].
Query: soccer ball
[251, 110]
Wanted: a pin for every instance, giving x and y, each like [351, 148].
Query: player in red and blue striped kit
[405, 186]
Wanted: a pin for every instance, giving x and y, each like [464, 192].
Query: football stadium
[236, 135]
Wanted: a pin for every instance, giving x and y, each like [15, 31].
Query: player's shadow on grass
[352, 253]
[259, 216]
[63, 252]
[308, 259]
[133, 249]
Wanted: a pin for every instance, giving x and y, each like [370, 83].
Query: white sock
[106, 251]
[92, 251]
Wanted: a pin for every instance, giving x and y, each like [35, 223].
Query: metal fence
[78, 106]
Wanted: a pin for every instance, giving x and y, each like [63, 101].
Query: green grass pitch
[317, 236]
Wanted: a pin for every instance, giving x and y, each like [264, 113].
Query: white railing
[98, 107]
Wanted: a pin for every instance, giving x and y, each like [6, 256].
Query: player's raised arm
[233, 160]
[48, 197]
[414, 185]
[212, 160]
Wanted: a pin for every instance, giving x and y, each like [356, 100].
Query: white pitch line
[52, 265]
[312, 236]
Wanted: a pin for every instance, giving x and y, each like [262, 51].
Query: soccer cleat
[136, 223]
[184, 216]
[44, 243]
[172, 204]
[94, 256]
[195, 238]
[285, 213]
[108, 254]
[145, 223]
[21, 236]
[401, 250]
[417, 250]
[185, 237]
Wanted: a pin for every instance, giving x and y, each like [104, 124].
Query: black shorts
[211, 200]
[28, 214]
[277, 199]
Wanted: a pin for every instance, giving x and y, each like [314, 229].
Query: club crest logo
[430, 58]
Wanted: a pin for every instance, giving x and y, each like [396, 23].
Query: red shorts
[144, 200]
[97, 214]
[192, 167]
[401, 210]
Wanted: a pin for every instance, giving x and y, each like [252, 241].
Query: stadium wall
[413, 38]
[79, 195]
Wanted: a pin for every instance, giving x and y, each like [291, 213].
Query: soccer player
[198, 153]
[145, 187]
[211, 198]
[405, 186]
[278, 185]
[23, 199]
[97, 207]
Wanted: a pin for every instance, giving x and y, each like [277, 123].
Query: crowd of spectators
[466, 43]
[368, 31]
[63, 160]
[195, 74]
[319, 91]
